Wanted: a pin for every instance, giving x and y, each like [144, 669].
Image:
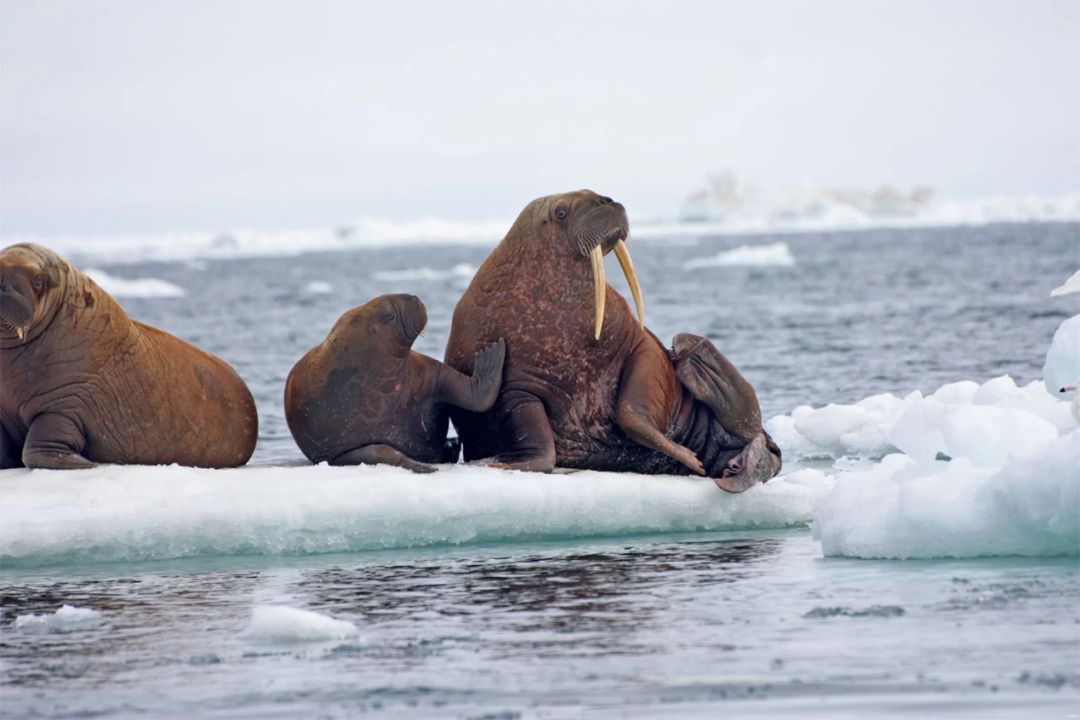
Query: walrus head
[591, 225]
[388, 323]
[29, 278]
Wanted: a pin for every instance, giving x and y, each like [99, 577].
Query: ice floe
[67, 619]
[1062, 366]
[464, 271]
[902, 508]
[134, 288]
[318, 287]
[126, 513]
[284, 624]
[775, 254]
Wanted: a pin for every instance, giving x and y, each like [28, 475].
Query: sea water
[283, 589]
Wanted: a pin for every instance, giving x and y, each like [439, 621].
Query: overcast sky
[143, 116]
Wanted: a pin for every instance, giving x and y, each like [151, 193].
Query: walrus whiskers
[600, 285]
[623, 253]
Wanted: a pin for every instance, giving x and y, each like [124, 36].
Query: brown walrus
[586, 385]
[82, 383]
[362, 396]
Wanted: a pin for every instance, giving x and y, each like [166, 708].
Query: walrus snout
[16, 300]
[600, 227]
[758, 462]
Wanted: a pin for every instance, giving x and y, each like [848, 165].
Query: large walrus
[586, 385]
[82, 383]
[362, 396]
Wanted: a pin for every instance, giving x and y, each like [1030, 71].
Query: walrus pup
[362, 396]
[586, 385]
[82, 383]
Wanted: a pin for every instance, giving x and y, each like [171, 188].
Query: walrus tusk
[623, 253]
[20, 333]
[600, 285]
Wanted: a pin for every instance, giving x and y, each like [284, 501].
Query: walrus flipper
[54, 442]
[381, 455]
[528, 442]
[640, 409]
[480, 391]
[713, 381]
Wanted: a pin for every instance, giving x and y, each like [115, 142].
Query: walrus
[363, 396]
[82, 383]
[585, 384]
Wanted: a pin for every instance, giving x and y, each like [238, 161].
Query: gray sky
[123, 116]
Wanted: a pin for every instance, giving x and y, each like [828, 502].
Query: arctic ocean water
[315, 592]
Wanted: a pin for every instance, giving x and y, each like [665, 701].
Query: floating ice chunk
[838, 430]
[956, 393]
[776, 254]
[318, 287]
[1072, 285]
[990, 435]
[461, 270]
[1062, 366]
[140, 288]
[65, 620]
[1015, 418]
[282, 624]
[903, 509]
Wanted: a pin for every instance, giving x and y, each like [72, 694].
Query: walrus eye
[387, 316]
[560, 213]
[38, 282]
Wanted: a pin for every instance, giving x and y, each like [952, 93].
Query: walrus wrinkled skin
[362, 396]
[585, 384]
[82, 383]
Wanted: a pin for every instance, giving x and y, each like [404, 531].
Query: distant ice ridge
[794, 214]
[144, 513]
[776, 254]
[283, 624]
[65, 620]
[139, 288]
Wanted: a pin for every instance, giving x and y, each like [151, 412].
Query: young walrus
[362, 396]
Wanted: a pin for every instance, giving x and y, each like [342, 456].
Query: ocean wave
[373, 233]
[137, 288]
[773, 254]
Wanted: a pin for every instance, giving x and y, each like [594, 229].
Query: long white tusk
[600, 285]
[623, 253]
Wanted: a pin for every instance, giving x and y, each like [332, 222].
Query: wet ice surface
[660, 626]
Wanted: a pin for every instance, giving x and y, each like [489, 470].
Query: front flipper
[55, 442]
[479, 392]
[647, 393]
[528, 442]
[381, 455]
[713, 380]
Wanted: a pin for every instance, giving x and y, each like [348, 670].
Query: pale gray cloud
[145, 116]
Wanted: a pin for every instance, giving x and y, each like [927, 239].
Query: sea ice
[463, 271]
[65, 620]
[1062, 366]
[902, 508]
[318, 287]
[138, 288]
[144, 513]
[283, 624]
[778, 254]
